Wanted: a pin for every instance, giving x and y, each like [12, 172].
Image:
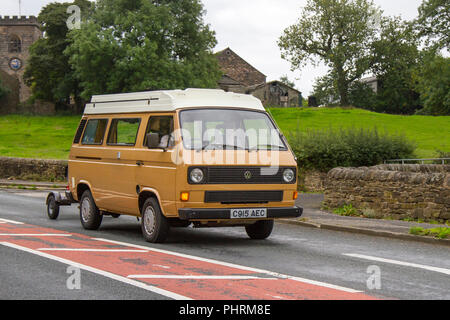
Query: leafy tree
[395, 55]
[434, 22]
[135, 45]
[336, 32]
[49, 73]
[433, 83]
[285, 80]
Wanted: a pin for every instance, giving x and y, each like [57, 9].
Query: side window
[80, 130]
[162, 125]
[123, 132]
[95, 132]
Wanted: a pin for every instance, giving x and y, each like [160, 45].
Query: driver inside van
[163, 126]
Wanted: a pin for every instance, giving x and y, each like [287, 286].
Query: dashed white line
[10, 221]
[400, 263]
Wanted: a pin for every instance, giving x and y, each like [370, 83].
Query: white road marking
[231, 265]
[10, 221]
[92, 250]
[191, 277]
[100, 272]
[35, 235]
[400, 263]
[37, 195]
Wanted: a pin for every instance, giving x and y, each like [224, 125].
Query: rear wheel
[155, 226]
[52, 207]
[260, 230]
[90, 216]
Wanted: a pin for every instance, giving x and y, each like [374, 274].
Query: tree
[395, 56]
[285, 80]
[135, 45]
[434, 22]
[49, 73]
[336, 32]
[433, 83]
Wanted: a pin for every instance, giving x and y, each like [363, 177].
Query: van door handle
[139, 163]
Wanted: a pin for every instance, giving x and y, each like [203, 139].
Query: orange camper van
[200, 157]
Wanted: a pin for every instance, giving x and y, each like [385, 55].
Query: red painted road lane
[253, 289]
[197, 279]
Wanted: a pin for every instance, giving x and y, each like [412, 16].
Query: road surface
[44, 259]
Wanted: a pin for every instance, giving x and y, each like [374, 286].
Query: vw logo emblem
[247, 175]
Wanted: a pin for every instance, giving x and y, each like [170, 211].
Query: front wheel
[155, 226]
[260, 230]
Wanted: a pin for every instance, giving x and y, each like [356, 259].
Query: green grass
[439, 233]
[37, 137]
[429, 133]
[51, 137]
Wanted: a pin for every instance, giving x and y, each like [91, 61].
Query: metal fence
[420, 161]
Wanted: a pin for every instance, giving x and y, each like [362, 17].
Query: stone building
[241, 77]
[17, 34]
[277, 94]
[372, 82]
[238, 73]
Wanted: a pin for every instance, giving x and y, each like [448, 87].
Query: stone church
[17, 34]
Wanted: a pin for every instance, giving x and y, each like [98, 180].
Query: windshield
[216, 129]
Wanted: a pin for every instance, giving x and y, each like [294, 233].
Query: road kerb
[371, 232]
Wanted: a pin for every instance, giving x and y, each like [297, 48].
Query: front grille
[244, 175]
[243, 197]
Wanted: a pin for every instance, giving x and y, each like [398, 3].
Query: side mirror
[153, 140]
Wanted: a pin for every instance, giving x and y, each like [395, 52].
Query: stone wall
[392, 191]
[312, 181]
[32, 169]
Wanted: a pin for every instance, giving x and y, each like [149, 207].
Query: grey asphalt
[309, 253]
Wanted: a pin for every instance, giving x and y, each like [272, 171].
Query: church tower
[17, 34]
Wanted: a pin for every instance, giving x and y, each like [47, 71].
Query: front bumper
[224, 214]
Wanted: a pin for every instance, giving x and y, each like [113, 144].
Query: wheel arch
[82, 186]
[149, 193]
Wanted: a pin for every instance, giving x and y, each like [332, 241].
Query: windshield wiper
[224, 146]
[267, 146]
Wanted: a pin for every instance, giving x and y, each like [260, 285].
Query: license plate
[248, 213]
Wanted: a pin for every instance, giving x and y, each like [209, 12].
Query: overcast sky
[251, 28]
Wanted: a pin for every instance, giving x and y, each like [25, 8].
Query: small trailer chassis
[55, 200]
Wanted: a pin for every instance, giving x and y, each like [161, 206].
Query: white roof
[169, 101]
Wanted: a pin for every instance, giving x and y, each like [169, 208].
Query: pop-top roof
[169, 101]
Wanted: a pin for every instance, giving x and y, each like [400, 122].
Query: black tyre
[260, 230]
[115, 216]
[90, 216]
[52, 207]
[155, 226]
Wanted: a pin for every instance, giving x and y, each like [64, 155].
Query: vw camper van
[200, 157]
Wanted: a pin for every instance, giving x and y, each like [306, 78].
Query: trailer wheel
[260, 230]
[52, 207]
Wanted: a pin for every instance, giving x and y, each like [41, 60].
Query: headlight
[197, 176]
[288, 175]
